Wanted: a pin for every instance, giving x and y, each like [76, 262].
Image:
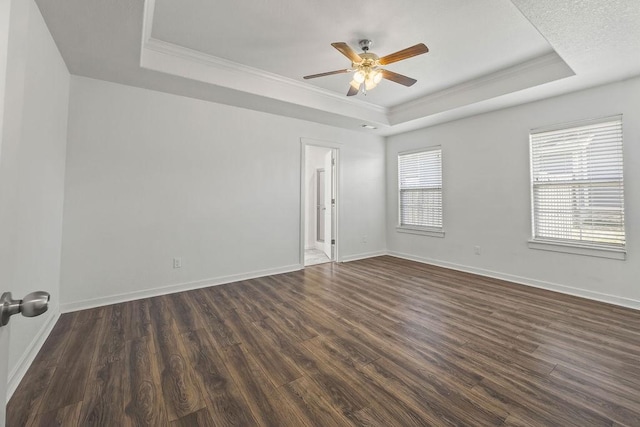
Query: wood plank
[111, 341]
[26, 400]
[254, 386]
[143, 398]
[55, 344]
[65, 416]
[305, 395]
[137, 321]
[103, 396]
[277, 366]
[69, 381]
[103, 402]
[224, 399]
[201, 418]
[181, 392]
[214, 317]
[185, 315]
[344, 392]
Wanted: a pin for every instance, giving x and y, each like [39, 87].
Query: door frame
[304, 142]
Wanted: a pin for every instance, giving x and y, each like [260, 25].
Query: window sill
[421, 231]
[545, 245]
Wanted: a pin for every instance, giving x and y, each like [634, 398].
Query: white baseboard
[596, 296]
[356, 257]
[18, 372]
[130, 296]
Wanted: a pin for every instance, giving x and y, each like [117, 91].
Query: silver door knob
[32, 305]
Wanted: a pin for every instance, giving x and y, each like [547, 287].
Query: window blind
[420, 179]
[577, 184]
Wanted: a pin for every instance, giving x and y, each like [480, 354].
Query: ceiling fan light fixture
[377, 76]
[370, 84]
[359, 76]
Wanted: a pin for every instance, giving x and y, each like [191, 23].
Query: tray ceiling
[253, 54]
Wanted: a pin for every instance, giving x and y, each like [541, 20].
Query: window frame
[415, 229]
[568, 245]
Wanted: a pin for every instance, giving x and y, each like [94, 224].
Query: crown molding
[537, 71]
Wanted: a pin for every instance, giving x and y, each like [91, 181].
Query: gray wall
[153, 176]
[487, 196]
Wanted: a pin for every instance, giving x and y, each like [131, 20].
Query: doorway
[319, 213]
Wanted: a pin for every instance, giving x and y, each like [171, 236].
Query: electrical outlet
[364, 239]
[177, 263]
[476, 250]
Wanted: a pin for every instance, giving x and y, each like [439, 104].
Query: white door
[330, 205]
[4, 331]
[320, 207]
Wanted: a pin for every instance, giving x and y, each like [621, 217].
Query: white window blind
[420, 177]
[577, 185]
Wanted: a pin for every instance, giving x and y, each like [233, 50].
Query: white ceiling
[467, 39]
[253, 53]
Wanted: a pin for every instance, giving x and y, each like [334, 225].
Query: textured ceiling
[598, 38]
[475, 63]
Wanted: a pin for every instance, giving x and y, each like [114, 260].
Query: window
[420, 186]
[577, 187]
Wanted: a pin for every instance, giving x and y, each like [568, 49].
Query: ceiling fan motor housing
[369, 59]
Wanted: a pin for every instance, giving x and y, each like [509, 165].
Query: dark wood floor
[382, 342]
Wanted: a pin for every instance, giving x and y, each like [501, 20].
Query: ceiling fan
[366, 66]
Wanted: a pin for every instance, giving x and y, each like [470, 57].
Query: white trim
[29, 355]
[542, 69]
[420, 231]
[335, 146]
[568, 248]
[147, 24]
[320, 142]
[583, 293]
[170, 289]
[356, 257]
[575, 123]
[420, 150]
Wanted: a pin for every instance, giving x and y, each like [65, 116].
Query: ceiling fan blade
[346, 50]
[407, 53]
[398, 78]
[352, 91]
[329, 73]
